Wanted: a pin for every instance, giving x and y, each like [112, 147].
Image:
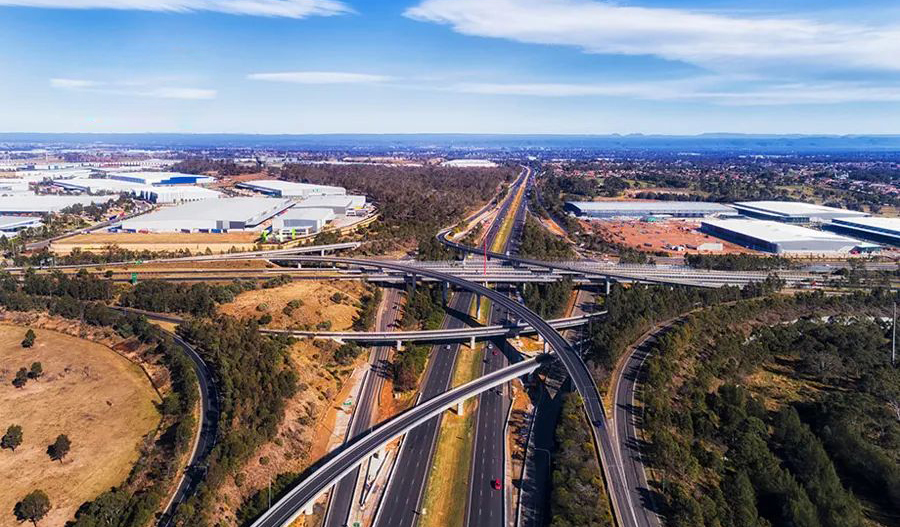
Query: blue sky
[505, 66]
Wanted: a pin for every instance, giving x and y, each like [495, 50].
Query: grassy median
[444, 503]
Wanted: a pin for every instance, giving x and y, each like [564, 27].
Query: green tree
[21, 378]
[12, 438]
[33, 507]
[36, 370]
[59, 448]
[29, 339]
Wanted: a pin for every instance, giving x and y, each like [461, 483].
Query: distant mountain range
[705, 143]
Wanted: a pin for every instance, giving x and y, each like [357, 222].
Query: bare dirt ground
[103, 402]
[661, 236]
[194, 242]
[318, 304]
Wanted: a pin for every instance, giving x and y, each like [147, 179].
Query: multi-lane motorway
[341, 502]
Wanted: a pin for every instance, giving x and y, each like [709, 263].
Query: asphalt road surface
[209, 401]
[627, 420]
[401, 503]
[366, 403]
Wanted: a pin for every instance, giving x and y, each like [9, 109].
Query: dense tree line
[368, 309]
[431, 249]
[737, 262]
[82, 286]
[548, 300]
[539, 244]
[205, 165]
[408, 366]
[725, 460]
[578, 496]
[634, 310]
[414, 202]
[424, 307]
[109, 254]
[255, 379]
[198, 299]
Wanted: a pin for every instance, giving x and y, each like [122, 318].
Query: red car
[496, 484]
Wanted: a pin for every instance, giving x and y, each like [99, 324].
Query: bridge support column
[444, 287]
[399, 345]
[459, 410]
[472, 342]
[546, 347]
[299, 265]
[308, 510]
[322, 252]
[477, 305]
[607, 286]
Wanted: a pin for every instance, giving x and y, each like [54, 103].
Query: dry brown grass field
[195, 242]
[316, 297]
[103, 402]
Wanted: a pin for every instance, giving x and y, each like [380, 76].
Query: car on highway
[495, 483]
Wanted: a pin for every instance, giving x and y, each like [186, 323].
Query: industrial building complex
[295, 222]
[233, 214]
[884, 230]
[794, 211]
[780, 238]
[290, 189]
[11, 225]
[639, 209]
[160, 178]
[34, 204]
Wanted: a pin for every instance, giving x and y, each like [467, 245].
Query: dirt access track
[102, 401]
[196, 242]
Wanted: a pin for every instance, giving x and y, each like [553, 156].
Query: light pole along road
[576, 368]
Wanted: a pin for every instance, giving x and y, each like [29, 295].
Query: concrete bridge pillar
[444, 287]
[308, 510]
[546, 347]
[607, 285]
[299, 265]
[459, 410]
[322, 252]
[477, 305]
[472, 342]
[399, 345]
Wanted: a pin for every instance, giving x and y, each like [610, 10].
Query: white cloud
[720, 91]
[713, 41]
[72, 83]
[133, 88]
[320, 77]
[274, 8]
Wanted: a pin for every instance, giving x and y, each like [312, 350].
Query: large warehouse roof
[641, 208]
[160, 178]
[42, 204]
[879, 229]
[94, 185]
[208, 215]
[777, 237]
[277, 187]
[794, 211]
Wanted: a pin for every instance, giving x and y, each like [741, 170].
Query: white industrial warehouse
[160, 178]
[303, 221]
[780, 238]
[794, 211]
[885, 230]
[290, 189]
[637, 209]
[348, 205]
[34, 204]
[11, 225]
[98, 185]
[175, 194]
[9, 186]
[220, 215]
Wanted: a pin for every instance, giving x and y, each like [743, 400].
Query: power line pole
[894, 337]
